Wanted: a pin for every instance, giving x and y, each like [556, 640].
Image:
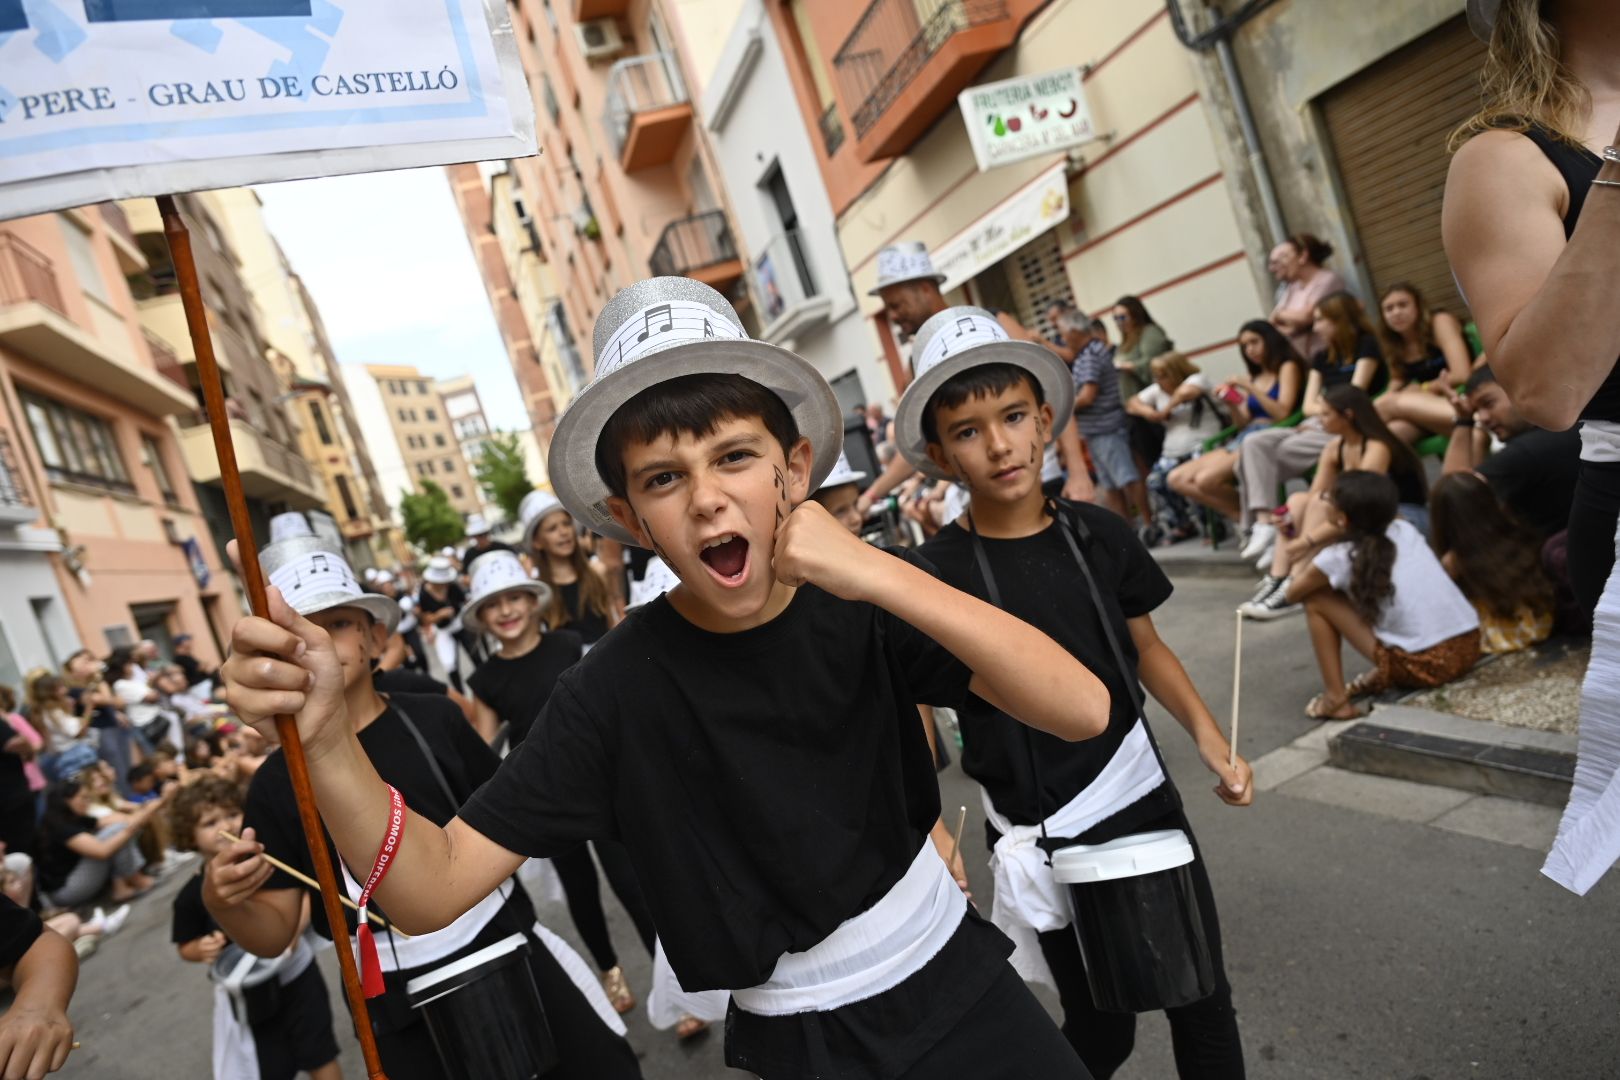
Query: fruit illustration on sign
[1036, 111]
[1014, 123]
[1070, 111]
[997, 126]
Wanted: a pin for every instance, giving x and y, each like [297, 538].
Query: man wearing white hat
[421, 744]
[479, 541]
[751, 737]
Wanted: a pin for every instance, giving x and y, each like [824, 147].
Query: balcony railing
[15, 503]
[638, 85]
[693, 243]
[832, 130]
[782, 277]
[284, 461]
[891, 43]
[118, 221]
[26, 275]
[165, 360]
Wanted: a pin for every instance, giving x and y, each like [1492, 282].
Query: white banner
[105, 99]
[1036, 207]
[1026, 117]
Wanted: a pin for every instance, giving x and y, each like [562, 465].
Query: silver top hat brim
[1056, 381]
[1482, 17]
[469, 610]
[573, 448]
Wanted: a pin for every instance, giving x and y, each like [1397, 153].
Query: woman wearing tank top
[1532, 228]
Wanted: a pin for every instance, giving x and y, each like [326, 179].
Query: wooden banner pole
[185, 270]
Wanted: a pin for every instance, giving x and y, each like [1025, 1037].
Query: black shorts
[299, 1037]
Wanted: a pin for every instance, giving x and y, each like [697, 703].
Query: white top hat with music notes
[950, 343]
[440, 570]
[477, 526]
[661, 329]
[288, 525]
[535, 508]
[903, 262]
[312, 577]
[842, 474]
[499, 572]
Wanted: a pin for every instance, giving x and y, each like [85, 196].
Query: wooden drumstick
[956, 837]
[312, 883]
[1237, 686]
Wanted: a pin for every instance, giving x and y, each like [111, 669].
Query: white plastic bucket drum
[1140, 928]
[485, 1016]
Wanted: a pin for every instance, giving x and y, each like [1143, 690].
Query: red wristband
[371, 979]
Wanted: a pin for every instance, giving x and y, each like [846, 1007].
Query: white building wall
[748, 105]
[372, 416]
[36, 627]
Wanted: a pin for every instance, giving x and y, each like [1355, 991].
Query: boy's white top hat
[288, 525]
[841, 474]
[535, 508]
[902, 262]
[661, 329]
[1482, 17]
[312, 577]
[950, 343]
[448, 552]
[476, 526]
[439, 571]
[495, 573]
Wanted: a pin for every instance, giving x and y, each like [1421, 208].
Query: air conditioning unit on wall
[599, 39]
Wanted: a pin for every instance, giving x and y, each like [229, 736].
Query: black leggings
[1204, 1035]
[577, 872]
[1592, 520]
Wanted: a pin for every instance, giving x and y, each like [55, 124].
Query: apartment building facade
[422, 432]
[102, 539]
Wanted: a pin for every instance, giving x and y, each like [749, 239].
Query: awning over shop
[1032, 210]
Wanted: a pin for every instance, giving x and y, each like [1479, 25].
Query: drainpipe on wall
[1219, 37]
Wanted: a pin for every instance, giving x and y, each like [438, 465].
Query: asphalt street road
[1358, 945]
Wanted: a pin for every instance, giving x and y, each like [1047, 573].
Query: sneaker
[1274, 606]
[1263, 563]
[1150, 535]
[1268, 585]
[1262, 536]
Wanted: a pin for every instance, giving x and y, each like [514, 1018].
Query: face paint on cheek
[658, 551]
[782, 494]
[962, 474]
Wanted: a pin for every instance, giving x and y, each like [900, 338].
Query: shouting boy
[979, 412]
[751, 737]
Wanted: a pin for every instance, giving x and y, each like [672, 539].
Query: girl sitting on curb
[1494, 560]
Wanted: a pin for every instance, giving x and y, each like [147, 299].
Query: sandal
[1319, 709]
[618, 991]
[690, 1027]
[1365, 685]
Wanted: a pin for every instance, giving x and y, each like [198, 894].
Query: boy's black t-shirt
[405, 681]
[1040, 583]
[428, 604]
[19, 929]
[769, 784]
[191, 918]
[466, 759]
[517, 689]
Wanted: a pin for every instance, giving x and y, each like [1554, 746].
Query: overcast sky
[389, 264]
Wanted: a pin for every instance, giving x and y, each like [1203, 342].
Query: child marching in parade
[751, 737]
[261, 1031]
[581, 597]
[979, 412]
[422, 746]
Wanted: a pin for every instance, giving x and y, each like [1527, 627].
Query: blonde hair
[1524, 80]
[1172, 365]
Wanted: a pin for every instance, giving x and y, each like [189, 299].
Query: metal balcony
[699, 247]
[269, 470]
[648, 111]
[832, 130]
[790, 303]
[906, 60]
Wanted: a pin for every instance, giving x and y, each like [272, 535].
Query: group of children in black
[745, 753]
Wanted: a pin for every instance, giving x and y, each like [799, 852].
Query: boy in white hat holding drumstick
[979, 412]
[424, 748]
[751, 737]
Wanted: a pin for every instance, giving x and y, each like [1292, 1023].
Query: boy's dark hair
[1482, 375]
[1368, 501]
[976, 382]
[144, 771]
[205, 793]
[689, 405]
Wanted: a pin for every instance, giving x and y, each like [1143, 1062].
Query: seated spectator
[93, 696]
[1382, 589]
[1494, 560]
[19, 798]
[185, 658]
[1296, 263]
[143, 702]
[1269, 391]
[17, 885]
[79, 856]
[1269, 458]
[1428, 359]
[1102, 421]
[1360, 441]
[1179, 401]
[50, 709]
[1534, 471]
[1140, 340]
[177, 696]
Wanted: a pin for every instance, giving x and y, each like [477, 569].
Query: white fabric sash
[396, 952]
[1028, 900]
[874, 951]
[1589, 835]
[1600, 440]
[668, 1003]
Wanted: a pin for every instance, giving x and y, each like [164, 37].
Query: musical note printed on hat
[970, 331]
[663, 326]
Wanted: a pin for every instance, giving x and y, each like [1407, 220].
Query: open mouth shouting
[726, 556]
